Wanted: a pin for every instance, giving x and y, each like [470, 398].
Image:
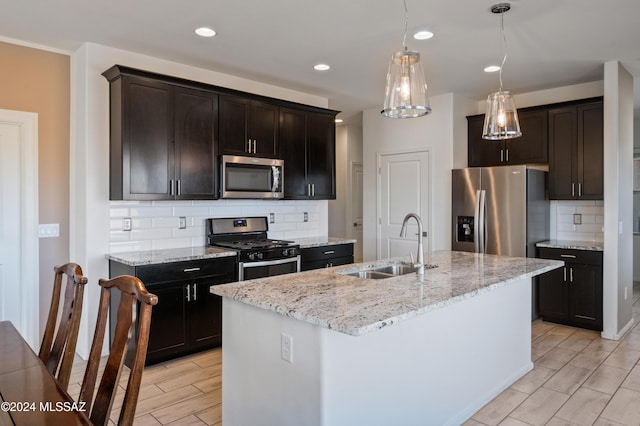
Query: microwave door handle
[275, 178]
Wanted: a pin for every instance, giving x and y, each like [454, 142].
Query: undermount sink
[386, 271]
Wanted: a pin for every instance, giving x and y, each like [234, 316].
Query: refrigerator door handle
[482, 224]
[476, 224]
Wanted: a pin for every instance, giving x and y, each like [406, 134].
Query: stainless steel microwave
[250, 177]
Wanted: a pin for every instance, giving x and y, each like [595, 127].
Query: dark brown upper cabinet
[167, 134]
[248, 127]
[307, 146]
[162, 139]
[529, 148]
[576, 168]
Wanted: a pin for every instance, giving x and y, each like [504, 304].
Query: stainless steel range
[258, 256]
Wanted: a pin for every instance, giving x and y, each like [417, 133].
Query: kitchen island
[326, 348]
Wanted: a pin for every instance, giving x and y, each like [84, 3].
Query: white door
[403, 187]
[354, 221]
[18, 223]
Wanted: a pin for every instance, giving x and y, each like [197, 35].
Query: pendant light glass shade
[406, 90]
[501, 117]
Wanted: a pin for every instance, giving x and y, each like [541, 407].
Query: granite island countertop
[357, 306]
[151, 257]
[573, 245]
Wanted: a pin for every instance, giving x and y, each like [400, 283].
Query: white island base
[438, 368]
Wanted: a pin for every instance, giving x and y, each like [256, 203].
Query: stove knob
[285, 252]
[251, 256]
[259, 256]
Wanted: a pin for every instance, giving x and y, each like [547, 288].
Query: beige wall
[38, 81]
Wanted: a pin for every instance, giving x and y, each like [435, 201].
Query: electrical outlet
[577, 219]
[183, 222]
[306, 217]
[272, 218]
[126, 224]
[286, 347]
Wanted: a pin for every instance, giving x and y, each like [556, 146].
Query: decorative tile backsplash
[156, 224]
[577, 220]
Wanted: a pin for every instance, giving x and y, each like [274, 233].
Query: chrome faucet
[403, 234]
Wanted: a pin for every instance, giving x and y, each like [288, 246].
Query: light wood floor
[578, 379]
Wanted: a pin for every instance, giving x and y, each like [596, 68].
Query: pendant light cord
[406, 23]
[502, 44]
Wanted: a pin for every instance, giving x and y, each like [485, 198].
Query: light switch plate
[48, 230]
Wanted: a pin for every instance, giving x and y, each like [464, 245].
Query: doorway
[19, 299]
[354, 208]
[403, 187]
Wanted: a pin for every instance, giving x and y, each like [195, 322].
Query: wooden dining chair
[58, 348]
[131, 292]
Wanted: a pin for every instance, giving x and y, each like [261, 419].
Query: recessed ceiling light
[338, 120]
[321, 67]
[423, 35]
[205, 32]
[492, 68]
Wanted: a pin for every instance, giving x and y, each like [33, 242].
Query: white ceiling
[550, 42]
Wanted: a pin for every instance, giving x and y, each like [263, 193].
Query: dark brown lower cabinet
[187, 318]
[572, 295]
[326, 256]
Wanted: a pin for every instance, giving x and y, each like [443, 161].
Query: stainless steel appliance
[258, 256]
[500, 210]
[250, 177]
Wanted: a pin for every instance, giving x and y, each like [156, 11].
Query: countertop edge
[152, 257]
[572, 245]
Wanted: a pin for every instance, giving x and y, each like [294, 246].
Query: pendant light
[501, 116]
[406, 91]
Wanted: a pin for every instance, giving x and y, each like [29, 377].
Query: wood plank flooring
[578, 379]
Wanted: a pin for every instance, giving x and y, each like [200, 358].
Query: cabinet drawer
[224, 267]
[326, 263]
[326, 252]
[587, 257]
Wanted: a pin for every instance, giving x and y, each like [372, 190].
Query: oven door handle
[269, 262]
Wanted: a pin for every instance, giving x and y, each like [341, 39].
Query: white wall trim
[29, 298]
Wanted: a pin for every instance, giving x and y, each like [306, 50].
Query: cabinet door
[554, 295]
[293, 150]
[263, 130]
[482, 152]
[234, 121]
[147, 136]
[321, 155]
[205, 316]
[196, 115]
[532, 146]
[585, 295]
[563, 148]
[167, 335]
[590, 152]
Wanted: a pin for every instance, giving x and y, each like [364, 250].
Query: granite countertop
[150, 257]
[357, 306]
[322, 241]
[573, 245]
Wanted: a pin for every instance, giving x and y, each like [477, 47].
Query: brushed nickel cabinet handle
[188, 292]
[190, 269]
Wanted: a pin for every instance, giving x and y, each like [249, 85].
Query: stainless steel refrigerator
[500, 210]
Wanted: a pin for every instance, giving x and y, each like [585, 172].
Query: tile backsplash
[156, 224]
[591, 218]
